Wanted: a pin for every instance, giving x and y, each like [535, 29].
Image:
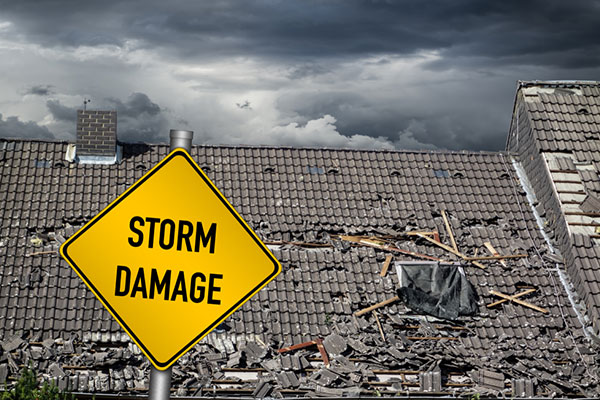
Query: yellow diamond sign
[170, 259]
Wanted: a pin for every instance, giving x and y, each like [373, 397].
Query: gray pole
[160, 381]
[160, 384]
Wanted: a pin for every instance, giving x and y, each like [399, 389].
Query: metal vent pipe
[181, 139]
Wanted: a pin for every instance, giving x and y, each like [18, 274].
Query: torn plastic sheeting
[441, 290]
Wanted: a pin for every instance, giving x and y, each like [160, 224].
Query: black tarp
[441, 290]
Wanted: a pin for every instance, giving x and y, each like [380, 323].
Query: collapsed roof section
[331, 322]
[555, 133]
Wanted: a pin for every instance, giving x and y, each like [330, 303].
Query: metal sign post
[160, 381]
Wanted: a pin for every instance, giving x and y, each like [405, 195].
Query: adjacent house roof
[332, 218]
[555, 133]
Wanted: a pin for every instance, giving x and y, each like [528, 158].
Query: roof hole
[333, 171]
[269, 169]
[395, 172]
[42, 163]
[458, 174]
[315, 170]
[583, 111]
[140, 167]
[441, 173]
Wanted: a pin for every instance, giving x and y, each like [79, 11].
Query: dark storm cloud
[40, 90]
[137, 105]
[510, 31]
[478, 49]
[13, 127]
[139, 119]
[61, 112]
[445, 115]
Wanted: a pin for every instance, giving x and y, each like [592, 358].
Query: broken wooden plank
[379, 325]
[297, 346]
[318, 342]
[451, 250]
[386, 265]
[498, 257]
[39, 253]
[322, 351]
[440, 244]
[299, 244]
[514, 296]
[492, 250]
[376, 306]
[380, 244]
[449, 230]
[516, 300]
[390, 247]
[413, 233]
[435, 234]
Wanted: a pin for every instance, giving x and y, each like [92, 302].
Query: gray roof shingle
[297, 196]
[559, 143]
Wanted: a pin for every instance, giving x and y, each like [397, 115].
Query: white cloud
[322, 132]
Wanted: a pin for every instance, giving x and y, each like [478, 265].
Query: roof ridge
[250, 146]
[557, 83]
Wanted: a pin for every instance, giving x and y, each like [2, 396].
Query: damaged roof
[555, 133]
[334, 219]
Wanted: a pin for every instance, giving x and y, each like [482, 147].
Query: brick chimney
[97, 137]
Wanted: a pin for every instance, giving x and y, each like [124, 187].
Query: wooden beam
[451, 250]
[300, 244]
[498, 257]
[389, 247]
[322, 351]
[386, 265]
[491, 249]
[296, 346]
[442, 245]
[376, 306]
[380, 244]
[40, 253]
[318, 342]
[514, 296]
[379, 325]
[449, 230]
[435, 234]
[516, 300]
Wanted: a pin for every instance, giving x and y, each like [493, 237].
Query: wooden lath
[384, 245]
[514, 298]
[451, 250]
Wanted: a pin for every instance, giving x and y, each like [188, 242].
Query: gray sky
[335, 73]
